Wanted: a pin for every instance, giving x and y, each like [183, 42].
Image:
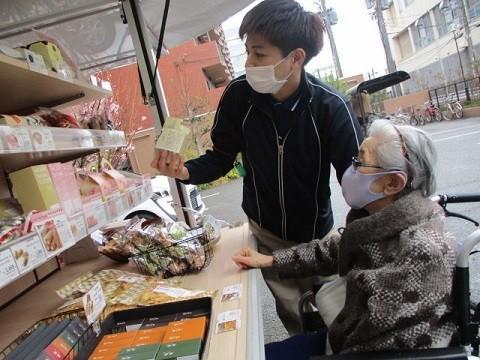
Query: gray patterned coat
[398, 265]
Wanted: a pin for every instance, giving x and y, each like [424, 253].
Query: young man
[289, 128]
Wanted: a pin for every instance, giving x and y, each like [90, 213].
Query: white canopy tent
[92, 32]
[101, 34]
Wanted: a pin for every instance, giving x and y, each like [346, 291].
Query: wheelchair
[467, 314]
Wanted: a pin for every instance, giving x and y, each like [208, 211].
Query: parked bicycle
[432, 112]
[416, 117]
[454, 109]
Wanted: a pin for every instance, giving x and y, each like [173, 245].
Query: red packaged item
[56, 118]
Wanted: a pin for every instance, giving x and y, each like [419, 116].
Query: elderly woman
[396, 260]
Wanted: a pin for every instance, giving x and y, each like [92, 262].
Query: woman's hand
[170, 164]
[249, 258]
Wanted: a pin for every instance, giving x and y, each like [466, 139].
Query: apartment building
[193, 74]
[422, 38]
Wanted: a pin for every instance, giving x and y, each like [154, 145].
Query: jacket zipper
[319, 171]
[280, 146]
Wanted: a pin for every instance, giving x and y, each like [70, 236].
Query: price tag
[65, 231]
[98, 139]
[119, 203]
[78, 227]
[127, 200]
[131, 279]
[228, 321]
[35, 62]
[171, 291]
[28, 254]
[112, 209]
[42, 139]
[232, 292]
[8, 268]
[95, 215]
[137, 195]
[55, 233]
[94, 303]
[16, 139]
[83, 139]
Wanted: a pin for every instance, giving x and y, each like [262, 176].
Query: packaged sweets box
[63, 178]
[34, 189]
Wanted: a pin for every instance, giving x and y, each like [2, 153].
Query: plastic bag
[212, 228]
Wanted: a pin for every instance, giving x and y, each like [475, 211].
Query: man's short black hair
[286, 25]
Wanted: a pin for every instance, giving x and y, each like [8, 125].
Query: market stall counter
[244, 341]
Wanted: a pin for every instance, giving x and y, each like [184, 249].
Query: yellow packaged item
[50, 53]
[34, 188]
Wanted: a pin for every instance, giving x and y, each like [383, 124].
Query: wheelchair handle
[444, 199]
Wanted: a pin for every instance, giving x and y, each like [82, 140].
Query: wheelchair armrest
[450, 353]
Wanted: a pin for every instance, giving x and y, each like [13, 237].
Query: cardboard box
[119, 180]
[95, 183]
[34, 189]
[187, 329]
[180, 350]
[147, 350]
[63, 179]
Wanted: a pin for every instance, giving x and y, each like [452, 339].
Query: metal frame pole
[146, 59]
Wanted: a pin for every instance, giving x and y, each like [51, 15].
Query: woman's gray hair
[421, 153]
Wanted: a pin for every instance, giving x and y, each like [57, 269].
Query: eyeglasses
[357, 163]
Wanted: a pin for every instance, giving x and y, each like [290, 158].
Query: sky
[356, 35]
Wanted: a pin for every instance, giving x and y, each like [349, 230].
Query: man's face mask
[262, 78]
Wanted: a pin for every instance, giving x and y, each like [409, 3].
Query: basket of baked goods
[157, 248]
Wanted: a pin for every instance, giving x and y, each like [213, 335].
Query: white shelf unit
[13, 266]
[25, 89]
[23, 146]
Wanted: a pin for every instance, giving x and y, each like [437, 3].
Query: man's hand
[249, 258]
[170, 164]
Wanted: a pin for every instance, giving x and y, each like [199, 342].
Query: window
[404, 44]
[441, 20]
[473, 8]
[448, 18]
[202, 39]
[422, 31]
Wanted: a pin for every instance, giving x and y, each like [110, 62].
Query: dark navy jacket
[286, 189]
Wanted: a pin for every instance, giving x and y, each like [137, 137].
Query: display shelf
[244, 343]
[26, 89]
[27, 253]
[21, 146]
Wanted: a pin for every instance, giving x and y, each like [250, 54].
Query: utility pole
[391, 67]
[472, 57]
[328, 27]
[455, 37]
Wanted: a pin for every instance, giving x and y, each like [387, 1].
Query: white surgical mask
[262, 78]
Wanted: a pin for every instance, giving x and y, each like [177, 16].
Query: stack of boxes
[179, 340]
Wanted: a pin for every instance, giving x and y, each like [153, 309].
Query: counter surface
[245, 343]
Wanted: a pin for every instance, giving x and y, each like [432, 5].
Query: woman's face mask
[262, 78]
[356, 187]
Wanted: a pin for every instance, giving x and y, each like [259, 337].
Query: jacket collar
[409, 210]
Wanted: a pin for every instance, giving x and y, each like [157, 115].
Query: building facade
[425, 34]
[193, 75]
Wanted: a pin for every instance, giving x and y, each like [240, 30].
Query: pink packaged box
[63, 178]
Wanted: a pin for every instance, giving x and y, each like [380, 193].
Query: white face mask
[262, 78]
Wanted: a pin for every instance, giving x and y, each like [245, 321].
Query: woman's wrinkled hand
[249, 258]
[170, 164]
